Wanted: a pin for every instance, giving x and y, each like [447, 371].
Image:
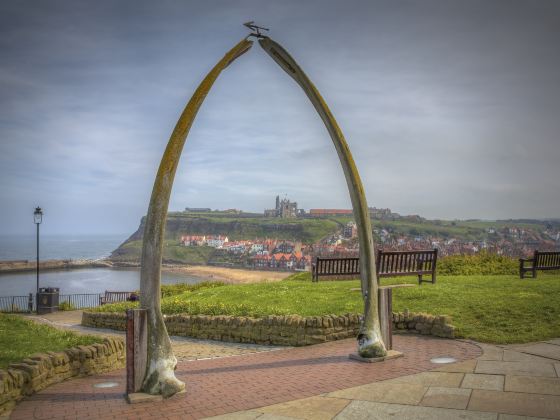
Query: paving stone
[314, 408]
[533, 385]
[446, 379]
[514, 417]
[358, 410]
[446, 397]
[537, 405]
[482, 381]
[551, 351]
[240, 415]
[516, 356]
[515, 368]
[466, 367]
[251, 415]
[555, 341]
[389, 392]
[491, 352]
[267, 416]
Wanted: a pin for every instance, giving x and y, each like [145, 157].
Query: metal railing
[16, 304]
[28, 303]
[80, 301]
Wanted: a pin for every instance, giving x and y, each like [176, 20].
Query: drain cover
[106, 385]
[443, 359]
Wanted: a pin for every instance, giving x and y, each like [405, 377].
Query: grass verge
[20, 338]
[495, 309]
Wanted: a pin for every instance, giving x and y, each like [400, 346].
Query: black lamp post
[37, 218]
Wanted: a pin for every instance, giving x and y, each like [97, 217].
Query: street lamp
[37, 218]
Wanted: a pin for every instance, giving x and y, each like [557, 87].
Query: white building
[216, 241]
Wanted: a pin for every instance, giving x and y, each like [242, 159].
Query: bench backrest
[336, 266]
[397, 263]
[388, 264]
[547, 260]
[116, 296]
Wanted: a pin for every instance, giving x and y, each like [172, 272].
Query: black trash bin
[47, 300]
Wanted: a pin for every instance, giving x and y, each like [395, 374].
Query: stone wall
[290, 330]
[43, 369]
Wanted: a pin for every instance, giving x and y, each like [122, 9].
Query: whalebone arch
[160, 377]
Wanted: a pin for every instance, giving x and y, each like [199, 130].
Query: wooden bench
[388, 264]
[407, 263]
[114, 297]
[324, 267]
[541, 261]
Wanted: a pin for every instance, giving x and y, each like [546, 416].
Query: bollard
[136, 349]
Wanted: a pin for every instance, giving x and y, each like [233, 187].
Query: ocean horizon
[74, 247]
[59, 247]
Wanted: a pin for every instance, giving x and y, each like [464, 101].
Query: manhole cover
[443, 359]
[106, 385]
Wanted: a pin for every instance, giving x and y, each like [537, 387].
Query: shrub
[483, 263]
[66, 306]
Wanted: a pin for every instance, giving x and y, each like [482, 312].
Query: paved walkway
[184, 348]
[516, 382]
[231, 384]
[520, 382]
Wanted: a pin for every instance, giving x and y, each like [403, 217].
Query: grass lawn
[495, 309]
[20, 338]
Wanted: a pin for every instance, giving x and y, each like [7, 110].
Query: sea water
[58, 247]
[86, 280]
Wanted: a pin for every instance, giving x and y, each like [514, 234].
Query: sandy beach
[229, 275]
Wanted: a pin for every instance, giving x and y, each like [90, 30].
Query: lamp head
[38, 215]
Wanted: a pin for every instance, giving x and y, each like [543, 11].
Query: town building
[375, 213]
[215, 241]
[329, 212]
[350, 230]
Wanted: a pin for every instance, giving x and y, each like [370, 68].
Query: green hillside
[235, 227]
[246, 226]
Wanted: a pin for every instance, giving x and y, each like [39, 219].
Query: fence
[26, 304]
[79, 301]
[17, 304]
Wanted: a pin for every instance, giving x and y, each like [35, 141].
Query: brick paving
[226, 385]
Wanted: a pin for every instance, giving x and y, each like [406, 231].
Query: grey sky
[451, 108]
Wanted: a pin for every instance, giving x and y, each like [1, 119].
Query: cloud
[450, 108]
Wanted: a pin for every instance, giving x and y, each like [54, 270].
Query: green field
[495, 309]
[20, 338]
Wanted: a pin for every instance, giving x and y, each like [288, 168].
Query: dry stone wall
[290, 330]
[43, 369]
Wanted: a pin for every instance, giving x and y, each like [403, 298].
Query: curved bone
[370, 343]
[160, 377]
